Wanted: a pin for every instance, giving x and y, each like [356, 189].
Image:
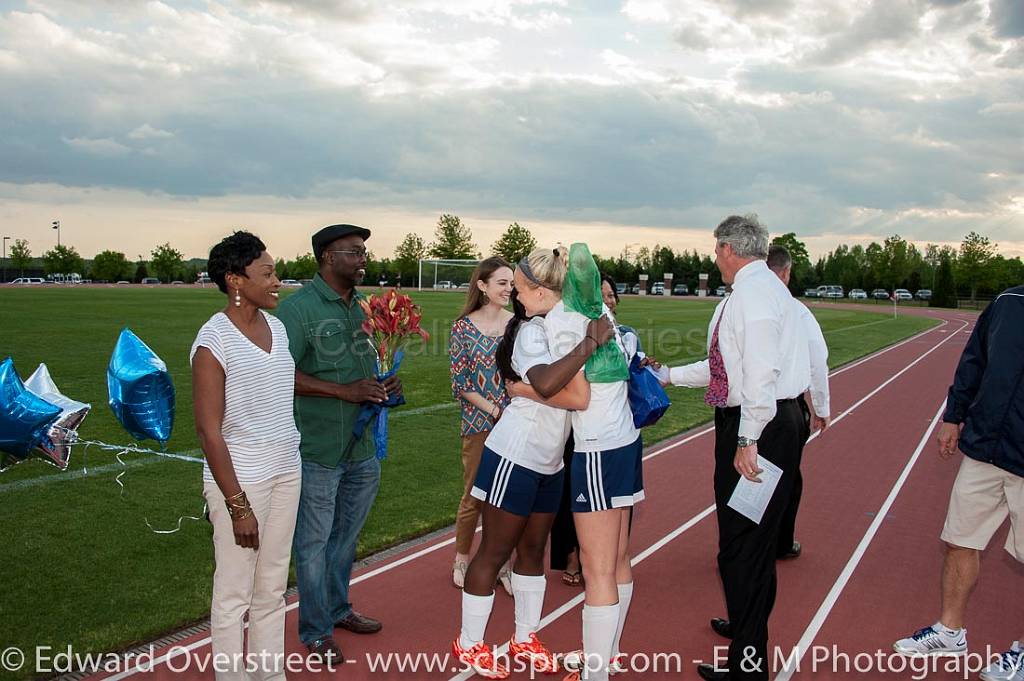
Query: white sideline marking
[844, 577]
[566, 607]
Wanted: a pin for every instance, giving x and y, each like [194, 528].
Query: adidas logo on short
[581, 499]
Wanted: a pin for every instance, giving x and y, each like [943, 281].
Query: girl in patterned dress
[480, 391]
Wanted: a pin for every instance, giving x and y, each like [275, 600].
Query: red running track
[875, 496]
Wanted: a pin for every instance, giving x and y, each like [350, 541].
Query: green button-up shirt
[327, 342]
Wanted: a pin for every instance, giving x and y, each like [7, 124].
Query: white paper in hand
[751, 498]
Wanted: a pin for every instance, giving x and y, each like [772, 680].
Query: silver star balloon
[63, 433]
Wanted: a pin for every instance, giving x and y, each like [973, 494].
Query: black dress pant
[787, 530]
[746, 550]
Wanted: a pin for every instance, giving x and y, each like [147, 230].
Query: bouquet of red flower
[391, 321]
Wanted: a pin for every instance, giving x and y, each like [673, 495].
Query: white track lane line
[793, 662]
[178, 650]
[572, 603]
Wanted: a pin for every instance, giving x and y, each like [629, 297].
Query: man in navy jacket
[984, 419]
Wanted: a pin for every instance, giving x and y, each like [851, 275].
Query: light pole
[56, 226]
[6, 239]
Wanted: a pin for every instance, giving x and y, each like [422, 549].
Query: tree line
[974, 269]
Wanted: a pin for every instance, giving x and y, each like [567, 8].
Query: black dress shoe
[721, 627]
[709, 673]
[794, 552]
[359, 624]
[326, 651]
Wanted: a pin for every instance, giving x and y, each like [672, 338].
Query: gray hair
[779, 258]
[748, 238]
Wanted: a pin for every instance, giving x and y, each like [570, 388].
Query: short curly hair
[232, 255]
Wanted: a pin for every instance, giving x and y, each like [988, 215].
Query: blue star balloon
[141, 392]
[24, 417]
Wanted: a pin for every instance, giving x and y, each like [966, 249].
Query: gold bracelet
[242, 516]
[235, 497]
[237, 509]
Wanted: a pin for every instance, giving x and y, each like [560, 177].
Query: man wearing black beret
[335, 374]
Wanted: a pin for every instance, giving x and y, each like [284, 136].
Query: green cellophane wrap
[582, 293]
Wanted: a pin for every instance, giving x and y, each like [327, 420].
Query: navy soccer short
[610, 479]
[515, 488]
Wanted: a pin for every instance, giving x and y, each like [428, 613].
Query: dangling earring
[238, 299]
[486, 300]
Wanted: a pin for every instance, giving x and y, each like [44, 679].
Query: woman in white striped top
[243, 380]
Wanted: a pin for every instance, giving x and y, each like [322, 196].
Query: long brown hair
[483, 272]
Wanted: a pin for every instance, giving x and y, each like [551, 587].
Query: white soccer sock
[951, 633]
[599, 624]
[476, 610]
[625, 596]
[528, 592]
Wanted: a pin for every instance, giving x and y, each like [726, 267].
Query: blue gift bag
[647, 399]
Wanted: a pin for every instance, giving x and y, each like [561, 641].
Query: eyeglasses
[355, 252]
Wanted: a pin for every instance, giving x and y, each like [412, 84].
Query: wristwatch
[745, 442]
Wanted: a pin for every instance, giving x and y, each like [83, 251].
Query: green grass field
[79, 564]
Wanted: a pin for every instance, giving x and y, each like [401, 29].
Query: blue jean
[333, 507]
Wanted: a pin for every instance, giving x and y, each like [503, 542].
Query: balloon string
[136, 449]
[122, 473]
[131, 449]
[181, 519]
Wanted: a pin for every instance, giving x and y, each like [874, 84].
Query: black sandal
[572, 577]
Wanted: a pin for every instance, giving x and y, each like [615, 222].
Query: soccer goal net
[445, 274]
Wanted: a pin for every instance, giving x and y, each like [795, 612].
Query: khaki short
[983, 496]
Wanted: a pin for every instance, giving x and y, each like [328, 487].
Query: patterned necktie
[718, 388]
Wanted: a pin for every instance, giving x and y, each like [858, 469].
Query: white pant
[254, 582]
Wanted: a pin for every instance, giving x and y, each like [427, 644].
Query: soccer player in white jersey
[520, 472]
[607, 480]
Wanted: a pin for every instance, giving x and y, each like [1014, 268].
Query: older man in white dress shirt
[781, 263]
[757, 366]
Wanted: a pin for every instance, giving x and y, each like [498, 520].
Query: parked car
[290, 283]
[858, 294]
[658, 289]
[150, 280]
[444, 285]
[29, 281]
[720, 291]
[636, 289]
[832, 291]
[620, 289]
[464, 286]
[680, 290]
[203, 279]
[924, 294]
[902, 294]
[123, 283]
[880, 294]
[811, 293]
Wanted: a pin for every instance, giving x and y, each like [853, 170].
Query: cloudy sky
[614, 121]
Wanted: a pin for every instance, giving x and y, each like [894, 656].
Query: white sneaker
[1009, 666]
[932, 640]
